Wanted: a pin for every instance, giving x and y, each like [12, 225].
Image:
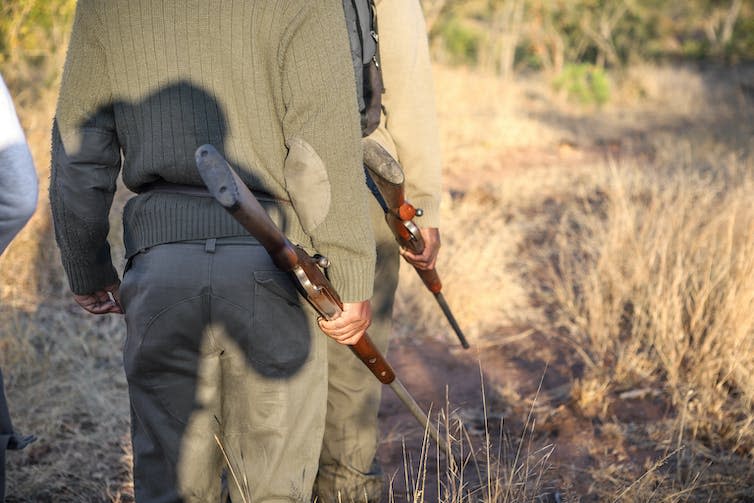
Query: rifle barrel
[451, 319]
[385, 180]
[418, 413]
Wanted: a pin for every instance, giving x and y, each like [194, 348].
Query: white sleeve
[10, 129]
[18, 178]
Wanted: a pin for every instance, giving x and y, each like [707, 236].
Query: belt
[175, 188]
[193, 190]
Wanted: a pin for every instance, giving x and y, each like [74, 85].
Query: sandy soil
[527, 397]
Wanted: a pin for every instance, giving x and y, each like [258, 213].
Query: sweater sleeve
[409, 102]
[18, 178]
[85, 159]
[321, 123]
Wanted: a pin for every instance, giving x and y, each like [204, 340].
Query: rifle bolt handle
[322, 261]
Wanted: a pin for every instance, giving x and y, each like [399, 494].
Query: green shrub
[695, 47]
[31, 31]
[611, 33]
[460, 42]
[584, 83]
[741, 46]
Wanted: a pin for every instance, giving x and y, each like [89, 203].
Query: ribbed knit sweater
[146, 82]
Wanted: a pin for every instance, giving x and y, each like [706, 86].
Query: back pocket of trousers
[281, 338]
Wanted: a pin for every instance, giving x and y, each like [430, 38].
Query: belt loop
[209, 247]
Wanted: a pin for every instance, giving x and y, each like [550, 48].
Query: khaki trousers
[348, 469]
[221, 350]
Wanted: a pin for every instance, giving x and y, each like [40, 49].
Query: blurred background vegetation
[573, 42]
[507, 35]
[33, 35]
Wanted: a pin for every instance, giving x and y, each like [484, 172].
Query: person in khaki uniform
[219, 346]
[348, 469]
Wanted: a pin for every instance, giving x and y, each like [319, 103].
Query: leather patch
[307, 184]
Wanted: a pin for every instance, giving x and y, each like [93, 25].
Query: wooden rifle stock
[431, 279]
[230, 191]
[388, 179]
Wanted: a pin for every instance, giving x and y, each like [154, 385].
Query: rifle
[385, 180]
[230, 191]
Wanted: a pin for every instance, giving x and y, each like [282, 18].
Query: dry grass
[649, 276]
[626, 235]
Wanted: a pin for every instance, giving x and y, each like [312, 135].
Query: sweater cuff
[431, 212]
[354, 281]
[86, 279]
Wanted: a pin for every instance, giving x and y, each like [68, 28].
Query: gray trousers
[348, 469]
[226, 373]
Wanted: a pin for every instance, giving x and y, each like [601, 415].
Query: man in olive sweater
[219, 348]
[348, 468]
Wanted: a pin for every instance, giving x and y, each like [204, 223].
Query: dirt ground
[526, 393]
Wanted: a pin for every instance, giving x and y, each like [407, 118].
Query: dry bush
[642, 261]
[66, 386]
[655, 281]
[649, 275]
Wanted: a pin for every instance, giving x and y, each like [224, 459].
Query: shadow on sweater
[180, 117]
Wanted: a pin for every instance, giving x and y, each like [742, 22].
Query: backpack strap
[361, 21]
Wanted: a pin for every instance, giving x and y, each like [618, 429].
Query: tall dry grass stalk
[495, 468]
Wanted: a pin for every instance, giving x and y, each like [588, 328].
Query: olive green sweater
[269, 83]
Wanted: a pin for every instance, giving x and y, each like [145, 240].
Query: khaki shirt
[409, 126]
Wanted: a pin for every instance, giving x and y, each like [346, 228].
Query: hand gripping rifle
[385, 180]
[228, 189]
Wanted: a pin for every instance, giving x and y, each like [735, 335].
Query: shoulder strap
[361, 22]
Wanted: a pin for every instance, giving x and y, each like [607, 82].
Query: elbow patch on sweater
[307, 183]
